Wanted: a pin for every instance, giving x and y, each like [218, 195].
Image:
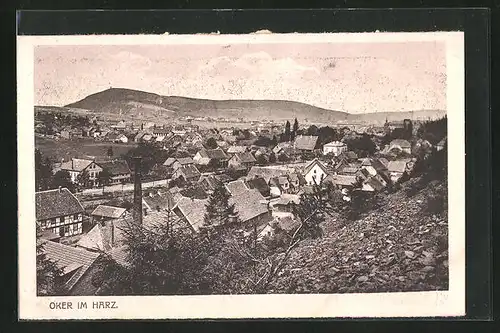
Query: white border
[410, 304]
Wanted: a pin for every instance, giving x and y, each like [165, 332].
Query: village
[84, 202]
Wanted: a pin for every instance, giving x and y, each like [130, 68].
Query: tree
[287, 135]
[363, 146]
[261, 159]
[211, 143]
[47, 272]
[218, 210]
[272, 158]
[283, 157]
[83, 179]
[43, 172]
[104, 177]
[295, 127]
[110, 151]
[62, 179]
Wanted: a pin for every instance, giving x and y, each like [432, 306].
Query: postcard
[264, 175]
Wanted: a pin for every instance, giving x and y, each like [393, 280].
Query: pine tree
[62, 178]
[218, 209]
[295, 128]
[287, 131]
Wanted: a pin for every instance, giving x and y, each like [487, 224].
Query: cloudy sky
[354, 77]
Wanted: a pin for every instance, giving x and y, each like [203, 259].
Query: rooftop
[108, 211]
[56, 203]
[305, 142]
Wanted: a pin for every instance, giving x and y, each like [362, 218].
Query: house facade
[335, 147]
[315, 172]
[77, 166]
[119, 171]
[60, 212]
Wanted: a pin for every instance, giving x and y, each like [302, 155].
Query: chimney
[137, 210]
[112, 233]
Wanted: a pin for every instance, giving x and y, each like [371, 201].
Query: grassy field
[58, 149]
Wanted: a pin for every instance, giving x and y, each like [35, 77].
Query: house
[121, 125]
[305, 142]
[177, 162]
[191, 211]
[347, 156]
[117, 137]
[374, 184]
[237, 149]
[268, 172]
[211, 156]
[118, 170]
[343, 181]
[160, 132]
[397, 168]
[208, 182]
[260, 184]
[441, 144]
[139, 135]
[59, 211]
[296, 180]
[285, 203]
[279, 185]
[78, 267]
[401, 145]
[245, 160]
[335, 147]
[147, 137]
[251, 208]
[281, 147]
[236, 187]
[157, 201]
[71, 133]
[105, 213]
[160, 171]
[77, 166]
[188, 172]
[315, 172]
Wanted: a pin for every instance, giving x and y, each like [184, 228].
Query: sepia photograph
[252, 165]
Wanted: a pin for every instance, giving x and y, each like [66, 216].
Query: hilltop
[127, 102]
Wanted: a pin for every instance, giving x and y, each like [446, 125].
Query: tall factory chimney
[137, 210]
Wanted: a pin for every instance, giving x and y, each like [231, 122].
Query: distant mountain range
[134, 103]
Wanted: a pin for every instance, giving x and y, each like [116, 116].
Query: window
[75, 217]
[66, 230]
[43, 224]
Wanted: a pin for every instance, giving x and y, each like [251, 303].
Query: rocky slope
[398, 247]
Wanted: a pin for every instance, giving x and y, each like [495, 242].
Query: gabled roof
[384, 161]
[305, 142]
[343, 180]
[108, 211]
[116, 167]
[236, 149]
[163, 200]
[286, 199]
[236, 187]
[318, 163]
[248, 204]
[103, 237]
[267, 172]
[69, 259]
[397, 166]
[193, 210]
[185, 160]
[375, 183]
[76, 164]
[400, 142]
[169, 161]
[55, 203]
[189, 171]
[245, 157]
[349, 155]
[442, 142]
[215, 154]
